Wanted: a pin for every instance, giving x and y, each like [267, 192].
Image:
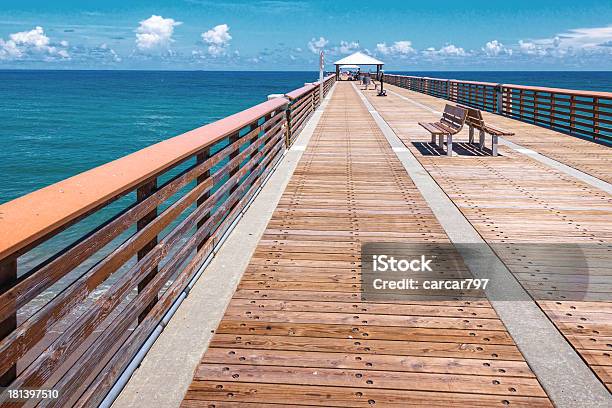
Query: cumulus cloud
[495, 48]
[32, 44]
[531, 48]
[218, 39]
[398, 48]
[347, 47]
[449, 50]
[315, 45]
[155, 33]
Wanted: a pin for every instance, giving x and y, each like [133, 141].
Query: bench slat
[496, 131]
[431, 128]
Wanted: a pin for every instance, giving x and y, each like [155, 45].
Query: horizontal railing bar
[561, 91]
[557, 114]
[299, 92]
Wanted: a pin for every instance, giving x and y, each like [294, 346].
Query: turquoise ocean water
[54, 124]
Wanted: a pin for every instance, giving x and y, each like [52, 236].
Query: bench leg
[441, 141]
[449, 145]
[433, 139]
[482, 136]
[471, 135]
[494, 145]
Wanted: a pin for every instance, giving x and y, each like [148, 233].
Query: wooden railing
[586, 114]
[110, 287]
[301, 107]
[303, 102]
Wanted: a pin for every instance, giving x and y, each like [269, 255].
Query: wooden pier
[297, 331]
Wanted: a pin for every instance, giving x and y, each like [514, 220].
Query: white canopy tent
[358, 58]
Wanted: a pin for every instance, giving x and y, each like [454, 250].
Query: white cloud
[495, 48]
[112, 55]
[398, 48]
[531, 48]
[33, 44]
[348, 47]
[575, 42]
[452, 50]
[585, 37]
[218, 39]
[315, 45]
[155, 33]
[449, 50]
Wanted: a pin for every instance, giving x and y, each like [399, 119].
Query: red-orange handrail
[299, 92]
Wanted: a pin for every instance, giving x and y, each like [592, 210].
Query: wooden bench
[474, 120]
[451, 123]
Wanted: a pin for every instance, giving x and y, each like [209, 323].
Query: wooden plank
[416, 364]
[346, 396]
[372, 332]
[370, 378]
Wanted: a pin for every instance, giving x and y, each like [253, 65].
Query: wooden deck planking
[584, 155]
[514, 199]
[296, 330]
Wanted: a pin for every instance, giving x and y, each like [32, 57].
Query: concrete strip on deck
[296, 332]
[567, 380]
[166, 372]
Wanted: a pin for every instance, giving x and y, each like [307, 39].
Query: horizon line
[281, 70]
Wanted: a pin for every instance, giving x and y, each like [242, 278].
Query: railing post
[287, 113]
[288, 125]
[499, 101]
[201, 158]
[8, 276]
[595, 117]
[509, 102]
[552, 110]
[142, 193]
[535, 107]
[572, 113]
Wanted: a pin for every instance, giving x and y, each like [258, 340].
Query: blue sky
[285, 35]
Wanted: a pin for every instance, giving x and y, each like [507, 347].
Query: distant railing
[110, 288]
[586, 114]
